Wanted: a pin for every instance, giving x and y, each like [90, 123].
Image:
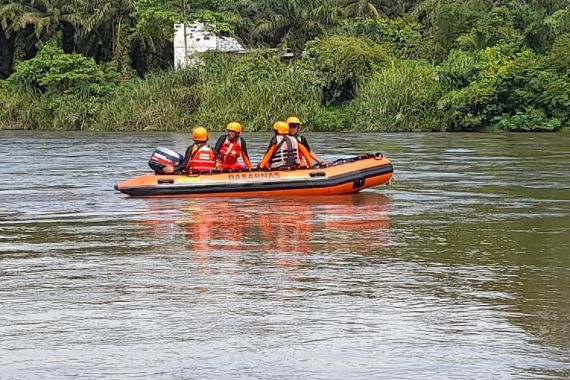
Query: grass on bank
[491, 90]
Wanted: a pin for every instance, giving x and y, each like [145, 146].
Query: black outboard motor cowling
[161, 157]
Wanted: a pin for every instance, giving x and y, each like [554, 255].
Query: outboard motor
[161, 157]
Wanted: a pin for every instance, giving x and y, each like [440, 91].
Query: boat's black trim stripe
[239, 187]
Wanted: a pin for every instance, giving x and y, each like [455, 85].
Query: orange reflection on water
[285, 225]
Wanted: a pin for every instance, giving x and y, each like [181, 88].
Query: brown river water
[458, 270]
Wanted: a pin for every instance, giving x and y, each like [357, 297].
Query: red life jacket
[202, 159]
[236, 166]
[230, 152]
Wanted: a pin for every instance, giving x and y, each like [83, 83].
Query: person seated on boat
[199, 156]
[230, 147]
[284, 151]
[294, 127]
[275, 131]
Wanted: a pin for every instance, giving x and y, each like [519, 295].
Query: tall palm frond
[44, 16]
[362, 8]
[424, 7]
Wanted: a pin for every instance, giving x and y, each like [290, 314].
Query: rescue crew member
[199, 156]
[294, 126]
[230, 147]
[284, 151]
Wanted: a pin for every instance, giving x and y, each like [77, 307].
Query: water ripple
[459, 270]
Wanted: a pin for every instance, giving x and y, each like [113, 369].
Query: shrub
[402, 38]
[256, 90]
[399, 97]
[459, 69]
[560, 53]
[512, 92]
[163, 101]
[530, 119]
[52, 71]
[338, 65]
[495, 27]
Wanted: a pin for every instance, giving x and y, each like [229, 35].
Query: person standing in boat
[284, 151]
[199, 156]
[230, 147]
[294, 126]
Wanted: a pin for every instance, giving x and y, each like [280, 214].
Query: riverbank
[415, 66]
[360, 88]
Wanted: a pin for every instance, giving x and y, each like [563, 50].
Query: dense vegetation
[402, 65]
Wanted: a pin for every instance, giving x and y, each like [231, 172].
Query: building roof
[228, 44]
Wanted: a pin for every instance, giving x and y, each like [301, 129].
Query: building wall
[198, 40]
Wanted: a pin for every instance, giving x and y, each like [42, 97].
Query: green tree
[362, 8]
[446, 20]
[46, 17]
[512, 91]
[459, 69]
[402, 38]
[7, 47]
[52, 71]
[528, 19]
[559, 21]
[560, 53]
[339, 65]
[152, 37]
[106, 34]
[496, 27]
[294, 22]
[36, 20]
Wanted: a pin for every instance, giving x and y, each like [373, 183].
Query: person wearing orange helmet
[284, 151]
[230, 147]
[294, 126]
[199, 156]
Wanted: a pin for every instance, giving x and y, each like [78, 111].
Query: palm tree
[293, 22]
[248, 12]
[105, 34]
[446, 20]
[44, 18]
[363, 8]
[30, 21]
[7, 48]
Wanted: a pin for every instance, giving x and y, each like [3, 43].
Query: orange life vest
[202, 159]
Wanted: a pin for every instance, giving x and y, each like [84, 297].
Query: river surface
[458, 270]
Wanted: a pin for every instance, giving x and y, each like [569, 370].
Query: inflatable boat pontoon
[343, 176]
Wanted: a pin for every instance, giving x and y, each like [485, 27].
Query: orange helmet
[235, 127]
[294, 120]
[200, 134]
[281, 127]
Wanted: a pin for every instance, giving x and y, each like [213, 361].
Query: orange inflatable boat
[343, 176]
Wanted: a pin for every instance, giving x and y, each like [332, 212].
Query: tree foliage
[338, 65]
[54, 72]
[359, 64]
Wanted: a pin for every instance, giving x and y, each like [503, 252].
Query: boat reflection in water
[280, 225]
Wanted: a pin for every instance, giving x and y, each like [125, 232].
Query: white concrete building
[199, 39]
